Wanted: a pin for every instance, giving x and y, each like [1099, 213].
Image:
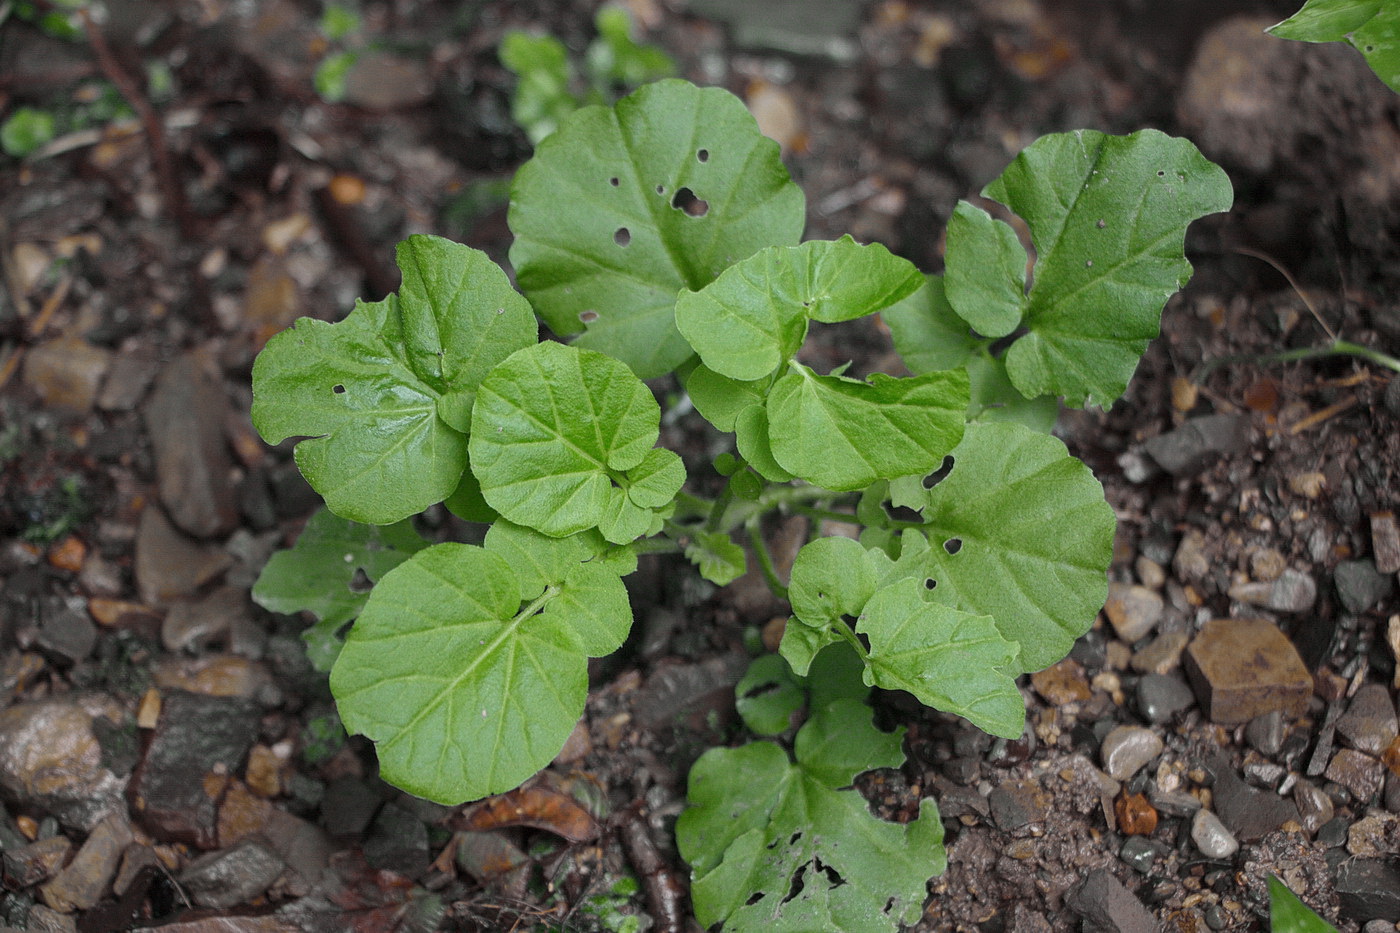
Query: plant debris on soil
[169, 758]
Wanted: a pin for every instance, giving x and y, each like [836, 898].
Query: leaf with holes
[779, 845]
[1018, 509]
[753, 318]
[321, 575]
[843, 433]
[562, 442]
[1372, 27]
[623, 207]
[1108, 218]
[466, 675]
[768, 696]
[384, 396]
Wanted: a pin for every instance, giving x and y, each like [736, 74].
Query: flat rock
[85, 879]
[219, 675]
[1198, 442]
[1108, 907]
[50, 759]
[1359, 773]
[1162, 696]
[66, 373]
[130, 375]
[184, 419]
[196, 625]
[1127, 748]
[231, 876]
[1369, 725]
[1133, 610]
[1360, 585]
[177, 786]
[170, 565]
[799, 27]
[1248, 812]
[398, 841]
[36, 862]
[1242, 668]
[1162, 655]
[1016, 804]
[1369, 889]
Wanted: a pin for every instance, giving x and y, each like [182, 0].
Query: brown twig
[1264, 257]
[1317, 417]
[666, 893]
[166, 174]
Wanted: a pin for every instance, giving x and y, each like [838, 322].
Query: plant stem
[1335, 348]
[765, 558]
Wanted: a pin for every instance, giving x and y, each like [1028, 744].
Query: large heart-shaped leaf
[465, 691]
[1108, 218]
[753, 318]
[1016, 508]
[623, 207]
[845, 433]
[780, 846]
[384, 396]
[562, 442]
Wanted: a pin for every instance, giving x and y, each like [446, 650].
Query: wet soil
[137, 504]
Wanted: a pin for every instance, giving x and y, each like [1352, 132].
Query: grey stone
[1249, 813]
[169, 565]
[1369, 889]
[1266, 732]
[232, 876]
[799, 27]
[1162, 696]
[1359, 773]
[185, 421]
[66, 634]
[1369, 724]
[1211, 836]
[1127, 748]
[196, 735]
[85, 879]
[1108, 907]
[398, 841]
[36, 862]
[1140, 853]
[1292, 591]
[1198, 441]
[1133, 610]
[131, 374]
[51, 759]
[1173, 802]
[1315, 808]
[1016, 804]
[348, 807]
[47, 920]
[1360, 585]
[211, 620]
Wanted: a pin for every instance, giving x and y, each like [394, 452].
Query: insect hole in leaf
[685, 200]
[940, 474]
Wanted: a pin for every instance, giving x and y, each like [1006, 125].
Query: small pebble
[1369, 724]
[1315, 808]
[1360, 585]
[1127, 748]
[1160, 697]
[1150, 573]
[1360, 774]
[1211, 836]
[1375, 835]
[1133, 610]
[1162, 655]
[1385, 542]
[1333, 833]
[1267, 564]
[1266, 732]
[1140, 853]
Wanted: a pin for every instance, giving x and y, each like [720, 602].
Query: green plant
[662, 235]
[25, 131]
[340, 26]
[1372, 27]
[1287, 914]
[549, 87]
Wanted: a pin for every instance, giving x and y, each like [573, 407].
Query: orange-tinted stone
[1062, 683]
[1136, 817]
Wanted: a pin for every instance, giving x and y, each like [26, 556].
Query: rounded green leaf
[832, 578]
[927, 332]
[768, 696]
[464, 692]
[844, 434]
[753, 318]
[986, 271]
[623, 207]
[560, 438]
[720, 399]
[1108, 217]
[1018, 509]
[385, 395]
[377, 451]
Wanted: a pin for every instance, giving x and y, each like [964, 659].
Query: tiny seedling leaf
[844, 434]
[465, 691]
[319, 575]
[768, 695]
[623, 207]
[1108, 218]
[717, 557]
[1017, 508]
[383, 396]
[753, 318]
[763, 826]
[562, 442]
[1288, 914]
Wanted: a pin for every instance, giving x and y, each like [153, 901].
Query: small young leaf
[843, 433]
[464, 692]
[623, 207]
[1288, 914]
[720, 399]
[753, 318]
[542, 98]
[768, 695]
[318, 575]
[986, 277]
[949, 659]
[384, 396]
[1018, 509]
[802, 645]
[751, 436]
[562, 442]
[760, 827]
[832, 579]
[718, 558]
[1108, 217]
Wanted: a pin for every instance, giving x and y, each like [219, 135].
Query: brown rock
[383, 81]
[1133, 610]
[66, 372]
[1162, 655]
[220, 675]
[1242, 668]
[83, 882]
[1385, 542]
[184, 418]
[1061, 683]
[50, 758]
[169, 565]
[37, 862]
[1361, 774]
[1136, 817]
